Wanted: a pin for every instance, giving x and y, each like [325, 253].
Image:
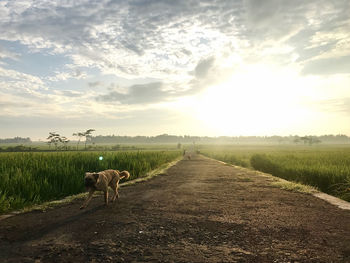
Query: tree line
[61, 142]
[16, 140]
[165, 138]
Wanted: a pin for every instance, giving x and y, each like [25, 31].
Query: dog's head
[90, 179]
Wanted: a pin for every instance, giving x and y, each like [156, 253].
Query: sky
[148, 67]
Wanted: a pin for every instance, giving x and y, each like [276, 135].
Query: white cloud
[72, 74]
[11, 79]
[4, 53]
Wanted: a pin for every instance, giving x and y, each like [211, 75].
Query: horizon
[223, 68]
[75, 138]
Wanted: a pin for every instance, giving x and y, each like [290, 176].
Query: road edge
[342, 204]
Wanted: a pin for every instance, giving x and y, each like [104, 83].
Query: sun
[249, 103]
[257, 100]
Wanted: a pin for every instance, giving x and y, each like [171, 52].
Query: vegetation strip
[52, 204]
[326, 168]
[276, 181]
[292, 186]
[27, 179]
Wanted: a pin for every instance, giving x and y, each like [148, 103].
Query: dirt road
[198, 211]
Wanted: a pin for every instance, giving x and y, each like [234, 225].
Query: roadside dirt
[200, 210]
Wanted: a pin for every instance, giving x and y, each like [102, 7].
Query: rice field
[33, 178]
[324, 167]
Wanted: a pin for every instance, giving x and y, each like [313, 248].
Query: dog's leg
[106, 197]
[115, 194]
[88, 199]
[116, 190]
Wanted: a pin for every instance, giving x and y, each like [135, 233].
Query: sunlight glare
[257, 101]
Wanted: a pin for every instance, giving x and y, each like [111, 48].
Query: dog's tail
[124, 174]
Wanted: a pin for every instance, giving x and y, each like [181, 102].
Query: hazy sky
[235, 67]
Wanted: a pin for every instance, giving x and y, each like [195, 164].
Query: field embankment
[32, 178]
[326, 168]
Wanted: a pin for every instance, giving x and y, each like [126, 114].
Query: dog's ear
[96, 175]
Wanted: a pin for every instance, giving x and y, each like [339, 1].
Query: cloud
[11, 79]
[203, 67]
[5, 53]
[134, 38]
[13, 104]
[339, 105]
[308, 32]
[69, 93]
[135, 122]
[164, 39]
[137, 94]
[159, 92]
[328, 66]
[204, 74]
[72, 74]
[95, 84]
[274, 19]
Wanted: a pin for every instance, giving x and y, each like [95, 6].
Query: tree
[65, 141]
[310, 140]
[54, 138]
[305, 139]
[296, 140]
[79, 134]
[88, 136]
[315, 140]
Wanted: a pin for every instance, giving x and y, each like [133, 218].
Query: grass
[68, 199]
[295, 187]
[33, 178]
[326, 168]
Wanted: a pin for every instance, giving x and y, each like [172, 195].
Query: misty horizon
[296, 139]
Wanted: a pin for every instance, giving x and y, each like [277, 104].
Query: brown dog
[100, 182]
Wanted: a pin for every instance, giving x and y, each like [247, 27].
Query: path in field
[199, 211]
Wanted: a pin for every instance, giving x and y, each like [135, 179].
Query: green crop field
[324, 167]
[33, 178]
